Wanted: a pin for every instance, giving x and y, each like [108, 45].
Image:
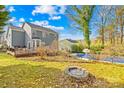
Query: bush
[51, 52]
[77, 48]
[96, 49]
[42, 52]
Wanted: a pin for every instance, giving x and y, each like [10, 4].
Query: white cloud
[52, 11]
[49, 9]
[54, 27]
[11, 9]
[62, 9]
[44, 9]
[21, 20]
[41, 23]
[16, 22]
[46, 24]
[13, 19]
[54, 17]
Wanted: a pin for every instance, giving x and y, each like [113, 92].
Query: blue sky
[50, 16]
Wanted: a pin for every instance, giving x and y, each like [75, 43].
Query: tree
[120, 21]
[103, 15]
[110, 33]
[4, 16]
[81, 16]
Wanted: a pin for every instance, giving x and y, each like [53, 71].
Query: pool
[114, 59]
[108, 59]
[85, 56]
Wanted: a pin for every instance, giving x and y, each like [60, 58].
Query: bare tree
[110, 33]
[103, 16]
[120, 21]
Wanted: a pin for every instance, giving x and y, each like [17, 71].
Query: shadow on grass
[25, 75]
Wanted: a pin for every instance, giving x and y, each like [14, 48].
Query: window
[34, 33]
[29, 45]
[53, 35]
[38, 43]
[33, 43]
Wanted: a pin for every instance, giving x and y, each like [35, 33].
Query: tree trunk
[121, 27]
[87, 35]
[110, 36]
[102, 34]
[87, 38]
[113, 38]
[116, 32]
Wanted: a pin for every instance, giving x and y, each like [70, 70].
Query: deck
[18, 52]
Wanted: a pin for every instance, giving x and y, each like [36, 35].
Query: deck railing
[21, 52]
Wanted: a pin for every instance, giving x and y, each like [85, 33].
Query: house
[2, 38]
[31, 36]
[66, 44]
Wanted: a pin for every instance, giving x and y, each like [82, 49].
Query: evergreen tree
[4, 16]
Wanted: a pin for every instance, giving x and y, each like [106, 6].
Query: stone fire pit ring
[76, 72]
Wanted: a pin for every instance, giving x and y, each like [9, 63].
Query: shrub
[77, 48]
[42, 52]
[51, 52]
[96, 49]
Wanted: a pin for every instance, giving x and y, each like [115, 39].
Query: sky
[49, 16]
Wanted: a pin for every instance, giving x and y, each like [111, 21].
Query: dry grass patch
[25, 73]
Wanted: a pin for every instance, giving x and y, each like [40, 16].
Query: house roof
[68, 42]
[40, 27]
[72, 41]
[16, 28]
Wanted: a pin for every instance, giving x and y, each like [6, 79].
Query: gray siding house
[31, 36]
[2, 38]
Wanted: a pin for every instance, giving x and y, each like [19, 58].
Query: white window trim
[28, 45]
[35, 43]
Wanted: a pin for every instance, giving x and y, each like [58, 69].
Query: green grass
[21, 73]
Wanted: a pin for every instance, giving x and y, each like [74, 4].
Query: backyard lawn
[22, 73]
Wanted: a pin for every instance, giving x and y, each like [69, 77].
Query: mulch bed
[88, 82]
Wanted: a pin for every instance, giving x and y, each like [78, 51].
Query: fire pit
[76, 72]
